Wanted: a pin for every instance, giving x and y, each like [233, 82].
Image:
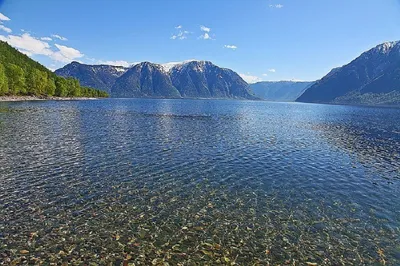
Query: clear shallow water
[199, 182]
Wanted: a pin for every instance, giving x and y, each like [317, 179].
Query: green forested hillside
[20, 75]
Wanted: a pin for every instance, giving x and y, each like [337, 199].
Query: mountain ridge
[89, 74]
[373, 78]
[144, 80]
[187, 79]
[280, 91]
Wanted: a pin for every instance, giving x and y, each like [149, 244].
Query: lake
[187, 182]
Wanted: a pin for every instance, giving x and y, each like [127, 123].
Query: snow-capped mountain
[101, 77]
[372, 78]
[144, 80]
[167, 66]
[188, 79]
[205, 80]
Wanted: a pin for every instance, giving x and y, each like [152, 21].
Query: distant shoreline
[42, 98]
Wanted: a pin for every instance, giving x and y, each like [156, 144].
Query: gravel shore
[41, 98]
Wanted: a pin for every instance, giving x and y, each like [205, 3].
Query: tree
[74, 89]
[20, 75]
[3, 81]
[16, 79]
[50, 89]
[37, 81]
[61, 87]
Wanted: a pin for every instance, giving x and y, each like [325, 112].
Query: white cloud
[34, 46]
[206, 36]
[28, 44]
[116, 63]
[4, 28]
[272, 70]
[69, 51]
[26, 52]
[265, 75]
[233, 47]
[181, 35]
[4, 18]
[52, 68]
[249, 78]
[276, 6]
[59, 37]
[204, 28]
[66, 54]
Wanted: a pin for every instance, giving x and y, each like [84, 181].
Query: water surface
[187, 182]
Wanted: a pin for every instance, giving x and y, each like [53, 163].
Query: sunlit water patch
[188, 182]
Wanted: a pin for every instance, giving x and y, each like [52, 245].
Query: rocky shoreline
[42, 98]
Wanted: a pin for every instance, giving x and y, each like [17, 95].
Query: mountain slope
[202, 79]
[372, 78]
[20, 75]
[101, 77]
[144, 80]
[189, 79]
[280, 91]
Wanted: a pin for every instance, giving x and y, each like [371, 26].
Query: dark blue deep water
[189, 182]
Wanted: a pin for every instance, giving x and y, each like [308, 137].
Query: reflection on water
[168, 182]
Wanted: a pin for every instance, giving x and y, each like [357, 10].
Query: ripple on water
[197, 182]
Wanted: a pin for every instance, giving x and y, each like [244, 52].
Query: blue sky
[260, 39]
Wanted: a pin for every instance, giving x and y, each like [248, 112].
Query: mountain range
[191, 79]
[280, 91]
[373, 78]
[101, 77]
